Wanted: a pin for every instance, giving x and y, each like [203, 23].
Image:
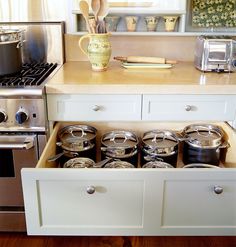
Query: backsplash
[174, 47]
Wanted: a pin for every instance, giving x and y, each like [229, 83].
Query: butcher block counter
[182, 78]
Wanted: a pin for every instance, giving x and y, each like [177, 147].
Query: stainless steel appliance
[23, 119]
[215, 53]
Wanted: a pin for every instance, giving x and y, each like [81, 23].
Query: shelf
[140, 11]
[175, 34]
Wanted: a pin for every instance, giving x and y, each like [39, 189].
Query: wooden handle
[138, 59]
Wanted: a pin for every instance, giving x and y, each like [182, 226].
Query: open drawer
[130, 201]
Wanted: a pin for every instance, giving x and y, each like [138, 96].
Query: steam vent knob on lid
[21, 116]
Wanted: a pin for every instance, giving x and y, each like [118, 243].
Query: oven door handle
[27, 143]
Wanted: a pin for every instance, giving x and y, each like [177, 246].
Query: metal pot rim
[203, 143]
[200, 165]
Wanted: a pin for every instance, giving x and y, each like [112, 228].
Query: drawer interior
[138, 128]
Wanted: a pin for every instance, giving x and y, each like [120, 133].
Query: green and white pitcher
[98, 50]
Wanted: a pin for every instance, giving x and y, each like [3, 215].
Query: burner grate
[30, 75]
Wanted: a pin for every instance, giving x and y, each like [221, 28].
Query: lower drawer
[138, 201]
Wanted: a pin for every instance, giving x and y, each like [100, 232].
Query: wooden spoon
[102, 13]
[95, 5]
[84, 8]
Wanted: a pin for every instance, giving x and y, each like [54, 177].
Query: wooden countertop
[183, 78]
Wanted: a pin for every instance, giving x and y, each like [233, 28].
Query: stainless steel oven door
[16, 151]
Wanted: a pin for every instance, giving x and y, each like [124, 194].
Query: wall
[179, 48]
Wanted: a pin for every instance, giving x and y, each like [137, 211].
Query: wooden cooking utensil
[102, 13]
[84, 8]
[140, 59]
[95, 5]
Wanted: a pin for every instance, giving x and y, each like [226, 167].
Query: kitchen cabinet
[137, 201]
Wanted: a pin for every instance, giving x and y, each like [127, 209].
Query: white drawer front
[57, 202]
[94, 107]
[199, 203]
[189, 107]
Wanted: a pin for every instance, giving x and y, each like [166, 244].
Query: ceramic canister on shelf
[112, 22]
[170, 22]
[151, 23]
[131, 23]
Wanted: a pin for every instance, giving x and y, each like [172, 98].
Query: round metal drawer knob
[218, 190]
[90, 189]
[96, 108]
[188, 108]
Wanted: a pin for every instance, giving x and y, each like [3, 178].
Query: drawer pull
[218, 190]
[96, 108]
[188, 108]
[90, 189]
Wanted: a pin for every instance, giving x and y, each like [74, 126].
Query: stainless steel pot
[160, 145]
[203, 143]
[10, 51]
[119, 164]
[157, 164]
[122, 145]
[76, 141]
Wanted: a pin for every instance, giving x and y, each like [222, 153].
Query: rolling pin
[138, 59]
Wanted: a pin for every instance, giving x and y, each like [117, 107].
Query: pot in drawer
[120, 145]
[159, 145]
[77, 141]
[119, 164]
[203, 143]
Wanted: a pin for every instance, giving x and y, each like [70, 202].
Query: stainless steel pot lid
[119, 138]
[77, 137]
[119, 164]
[7, 35]
[157, 164]
[159, 139]
[79, 163]
[203, 135]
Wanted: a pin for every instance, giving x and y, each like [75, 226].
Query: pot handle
[87, 36]
[113, 139]
[225, 144]
[20, 44]
[82, 132]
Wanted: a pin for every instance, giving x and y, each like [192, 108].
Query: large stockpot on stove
[203, 143]
[159, 145]
[10, 51]
[120, 145]
[77, 141]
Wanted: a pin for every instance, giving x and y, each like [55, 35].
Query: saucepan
[203, 143]
[159, 145]
[76, 141]
[11, 42]
[121, 145]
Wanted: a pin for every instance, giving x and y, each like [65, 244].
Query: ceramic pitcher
[98, 50]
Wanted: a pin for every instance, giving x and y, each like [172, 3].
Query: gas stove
[23, 114]
[22, 94]
[31, 75]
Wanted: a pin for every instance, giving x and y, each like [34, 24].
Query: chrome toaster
[215, 53]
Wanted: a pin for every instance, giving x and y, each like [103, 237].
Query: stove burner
[30, 75]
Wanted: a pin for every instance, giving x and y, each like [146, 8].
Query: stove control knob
[3, 116]
[21, 116]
